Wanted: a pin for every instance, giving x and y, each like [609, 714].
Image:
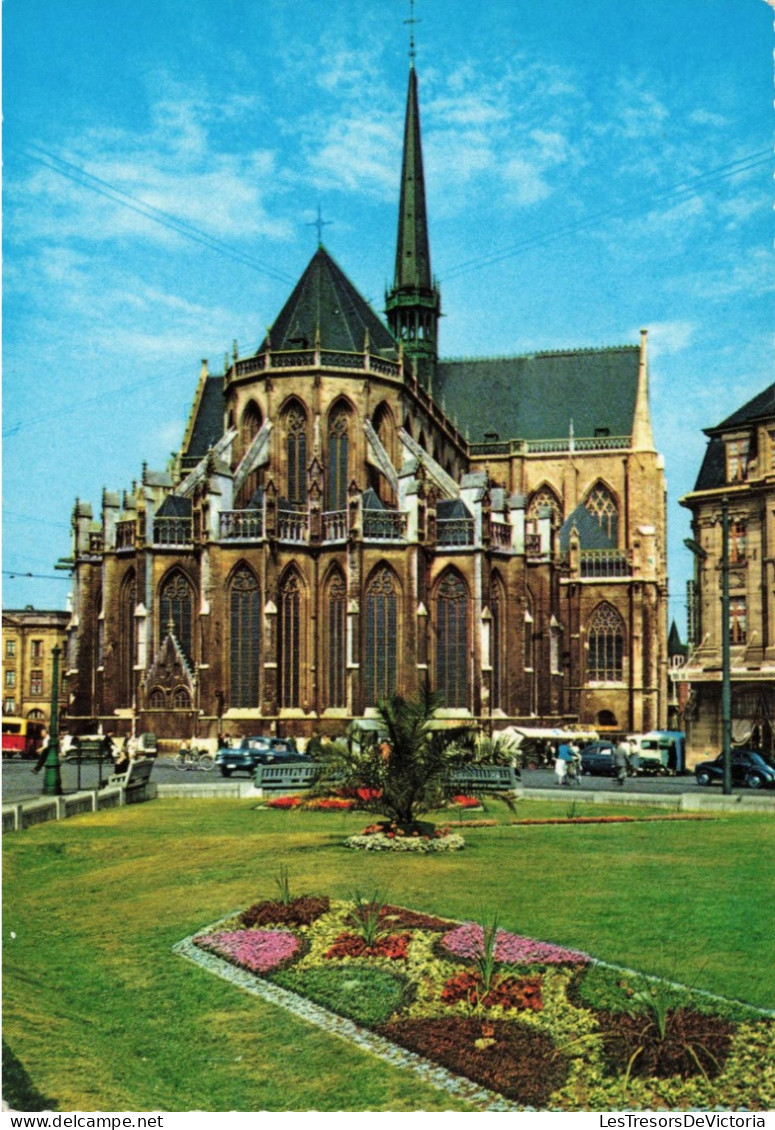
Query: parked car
[597, 759]
[254, 751]
[748, 768]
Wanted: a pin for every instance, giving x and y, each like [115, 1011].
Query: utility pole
[726, 687]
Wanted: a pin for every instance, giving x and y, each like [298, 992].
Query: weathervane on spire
[411, 21]
[319, 223]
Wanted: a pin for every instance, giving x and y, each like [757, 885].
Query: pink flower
[256, 950]
[513, 949]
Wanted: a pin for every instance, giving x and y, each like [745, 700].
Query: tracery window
[296, 453]
[497, 644]
[605, 660]
[127, 637]
[336, 641]
[338, 459]
[452, 641]
[545, 496]
[290, 627]
[384, 426]
[176, 611]
[381, 637]
[601, 504]
[181, 699]
[157, 699]
[244, 637]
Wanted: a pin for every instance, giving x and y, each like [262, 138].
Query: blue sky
[591, 170]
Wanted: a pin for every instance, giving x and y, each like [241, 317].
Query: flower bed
[540, 1025]
[385, 836]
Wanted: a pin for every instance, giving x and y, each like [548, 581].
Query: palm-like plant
[407, 774]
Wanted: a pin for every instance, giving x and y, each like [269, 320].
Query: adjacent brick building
[29, 638]
[349, 514]
[739, 466]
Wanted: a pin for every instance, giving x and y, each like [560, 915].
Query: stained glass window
[601, 505]
[381, 638]
[176, 611]
[605, 662]
[290, 641]
[296, 453]
[336, 641]
[545, 496]
[452, 641]
[245, 638]
[338, 453]
[127, 637]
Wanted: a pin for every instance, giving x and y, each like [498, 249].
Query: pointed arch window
[545, 497]
[290, 627]
[497, 644]
[250, 426]
[176, 612]
[127, 637]
[336, 640]
[381, 638]
[605, 658]
[601, 504]
[338, 459]
[384, 426]
[244, 637]
[296, 453]
[452, 641]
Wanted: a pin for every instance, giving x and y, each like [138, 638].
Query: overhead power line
[682, 190]
[88, 180]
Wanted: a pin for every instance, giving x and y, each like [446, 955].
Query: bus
[21, 736]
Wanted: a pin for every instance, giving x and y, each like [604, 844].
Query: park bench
[134, 780]
[475, 779]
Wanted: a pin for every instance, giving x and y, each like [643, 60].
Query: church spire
[414, 303]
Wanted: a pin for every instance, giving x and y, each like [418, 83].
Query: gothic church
[327, 535]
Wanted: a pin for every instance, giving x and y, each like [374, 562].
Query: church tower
[413, 306]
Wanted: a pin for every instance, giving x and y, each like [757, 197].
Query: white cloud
[667, 338]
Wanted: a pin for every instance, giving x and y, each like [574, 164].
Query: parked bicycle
[190, 757]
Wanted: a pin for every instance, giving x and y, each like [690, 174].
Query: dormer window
[738, 453]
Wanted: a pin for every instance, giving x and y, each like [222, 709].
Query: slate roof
[208, 426]
[175, 507]
[324, 297]
[713, 471]
[536, 396]
[758, 408]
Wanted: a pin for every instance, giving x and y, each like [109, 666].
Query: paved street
[20, 783]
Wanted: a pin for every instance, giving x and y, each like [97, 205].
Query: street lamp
[52, 778]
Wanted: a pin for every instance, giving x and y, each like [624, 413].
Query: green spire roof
[324, 302]
[413, 257]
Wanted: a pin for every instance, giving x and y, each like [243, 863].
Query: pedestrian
[43, 751]
[561, 766]
[107, 747]
[574, 765]
[622, 760]
[121, 763]
[131, 747]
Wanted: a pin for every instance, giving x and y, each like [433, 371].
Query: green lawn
[99, 1015]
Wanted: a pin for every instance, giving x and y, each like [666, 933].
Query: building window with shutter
[738, 620]
[36, 683]
[738, 452]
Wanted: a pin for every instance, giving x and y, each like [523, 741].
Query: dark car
[257, 751]
[748, 768]
[597, 759]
